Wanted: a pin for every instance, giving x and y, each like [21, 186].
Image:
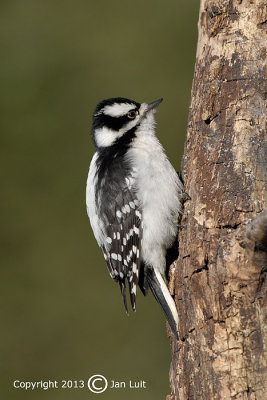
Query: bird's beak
[153, 104]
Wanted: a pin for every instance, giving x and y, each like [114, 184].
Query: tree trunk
[220, 277]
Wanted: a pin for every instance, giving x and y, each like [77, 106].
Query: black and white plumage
[133, 199]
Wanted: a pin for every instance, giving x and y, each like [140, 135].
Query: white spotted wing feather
[119, 240]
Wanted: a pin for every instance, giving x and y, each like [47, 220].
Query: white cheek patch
[105, 137]
[118, 109]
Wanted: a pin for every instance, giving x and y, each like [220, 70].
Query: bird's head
[114, 118]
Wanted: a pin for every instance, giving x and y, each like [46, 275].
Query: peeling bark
[220, 277]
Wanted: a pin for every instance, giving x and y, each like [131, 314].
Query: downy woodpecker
[133, 199]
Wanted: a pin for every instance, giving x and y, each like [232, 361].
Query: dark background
[62, 315]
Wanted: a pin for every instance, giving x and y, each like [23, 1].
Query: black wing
[122, 249]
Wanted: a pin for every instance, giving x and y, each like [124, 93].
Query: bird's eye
[131, 114]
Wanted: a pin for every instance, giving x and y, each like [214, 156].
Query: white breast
[158, 187]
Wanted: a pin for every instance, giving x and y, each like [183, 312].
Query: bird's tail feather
[161, 293]
[123, 293]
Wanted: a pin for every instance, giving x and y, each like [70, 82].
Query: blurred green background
[62, 316]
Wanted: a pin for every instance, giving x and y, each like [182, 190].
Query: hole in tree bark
[207, 121]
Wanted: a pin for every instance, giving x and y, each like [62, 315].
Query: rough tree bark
[220, 278]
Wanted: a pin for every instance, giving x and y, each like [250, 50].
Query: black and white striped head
[115, 117]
